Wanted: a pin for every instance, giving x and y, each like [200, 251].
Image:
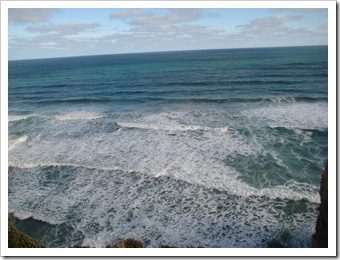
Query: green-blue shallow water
[218, 148]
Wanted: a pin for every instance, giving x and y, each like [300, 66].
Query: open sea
[213, 148]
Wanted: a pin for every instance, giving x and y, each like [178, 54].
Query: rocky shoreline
[17, 239]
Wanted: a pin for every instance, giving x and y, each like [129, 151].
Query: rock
[17, 239]
[127, 243]
[320, 238]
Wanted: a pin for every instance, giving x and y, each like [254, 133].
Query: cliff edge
[320, 238]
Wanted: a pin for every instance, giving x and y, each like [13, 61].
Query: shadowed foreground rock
[17, 239]
[320, 238]
[127, 243]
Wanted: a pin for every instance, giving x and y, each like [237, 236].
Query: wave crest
[223, 182]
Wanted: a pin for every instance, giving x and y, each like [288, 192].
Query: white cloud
[273, 31]
[268, 26]
[305, 10]
[30, 15]
[129, 13]
[174, 16]
[65, 29]
[173, 28]
[323, 27]
[137, 39]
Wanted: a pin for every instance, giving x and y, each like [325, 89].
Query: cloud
[306, 10]
[268, 25]
[273, 31]
[65, 29]
[174, 16]
[30, 15]
[323, 27]
[179, 31]
[148, 30]
[170, 29]
[136, 39]
[129, 13]
[50, 45]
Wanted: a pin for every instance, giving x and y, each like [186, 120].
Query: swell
[115, 120]
[242, 82]
[317, 131]
[61, 166]
[292, 190]
[147, 99]
[256, 100]
[19, 118]
[177, 127]
[75, 101]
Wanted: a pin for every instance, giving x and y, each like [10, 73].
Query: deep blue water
[219, 148]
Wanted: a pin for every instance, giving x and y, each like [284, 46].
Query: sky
[50, 32]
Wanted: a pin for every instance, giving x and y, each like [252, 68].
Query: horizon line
[146, 52]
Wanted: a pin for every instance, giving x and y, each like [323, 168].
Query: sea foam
[298, 115]
[192, 153]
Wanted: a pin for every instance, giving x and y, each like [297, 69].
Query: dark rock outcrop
[320, 238]
[127, 243]
[17, 239]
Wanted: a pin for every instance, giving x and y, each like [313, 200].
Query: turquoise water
[219, 148]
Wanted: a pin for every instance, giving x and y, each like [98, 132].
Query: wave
[228, 183]
[15, 142]
[80, 116]
[157, 126]
[320, 130]
[45, 166]
[74, 101]
[141, 205]
[292, 191]
[288, 99]
[296, 114]
[284, 99]
[26, 214]
[17, 118]
[243, 81]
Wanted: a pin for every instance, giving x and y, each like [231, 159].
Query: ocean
[212, 148]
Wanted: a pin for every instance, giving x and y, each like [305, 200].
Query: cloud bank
[141, 17]
[30, 15]
[65, 29]
[145, 30]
